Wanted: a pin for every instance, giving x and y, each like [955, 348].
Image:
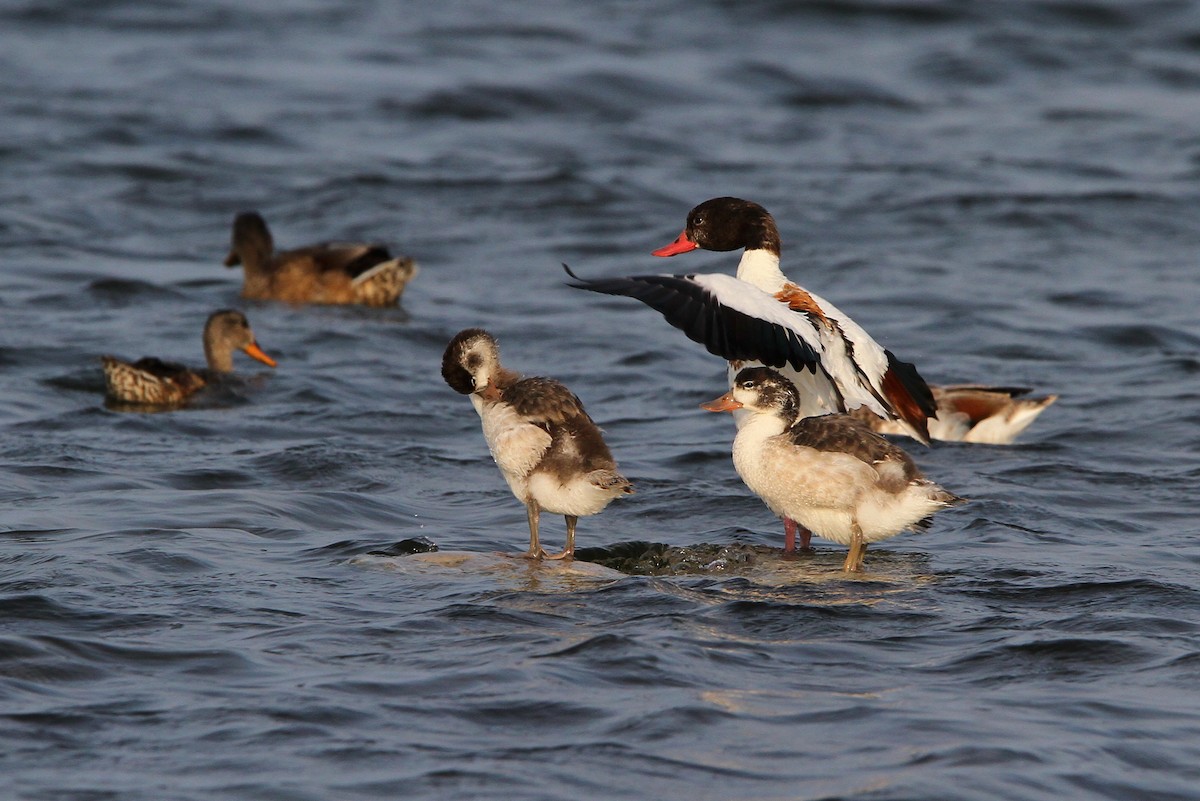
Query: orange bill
[681, 245]
[255, 352]
[725, 403]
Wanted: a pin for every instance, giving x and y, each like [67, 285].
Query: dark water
[1001, 191]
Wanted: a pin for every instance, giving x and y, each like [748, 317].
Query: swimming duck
[152, 381]
[966, 413]
[547, 448]
[330, 272]
[831, 474]
[762, 317]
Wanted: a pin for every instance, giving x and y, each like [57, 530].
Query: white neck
[754, 429]
[477, 402]
[761, 268]
[757, 426]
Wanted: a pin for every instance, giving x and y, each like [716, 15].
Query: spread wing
[731, 318]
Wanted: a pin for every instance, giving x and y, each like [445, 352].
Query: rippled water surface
[189, 605]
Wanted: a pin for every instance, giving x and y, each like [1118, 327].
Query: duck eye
[747, 385]
[472, 381]
[698, 220]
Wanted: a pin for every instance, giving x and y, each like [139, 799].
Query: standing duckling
[331, 272]
[831, 474]
[547, 448]
[152, 381]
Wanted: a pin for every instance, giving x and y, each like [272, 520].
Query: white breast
[817, 392]
[821, 490]
[516, 445]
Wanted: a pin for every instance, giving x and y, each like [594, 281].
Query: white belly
[577, 496]
[822, 491]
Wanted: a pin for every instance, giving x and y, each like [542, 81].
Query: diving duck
[547, 448]
[830, 473]
[152, 381]
[331, 272]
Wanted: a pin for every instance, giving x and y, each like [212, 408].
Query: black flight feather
[723, 331]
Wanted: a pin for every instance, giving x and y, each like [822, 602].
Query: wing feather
[730, 318]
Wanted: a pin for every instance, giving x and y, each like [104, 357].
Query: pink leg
[790, 528]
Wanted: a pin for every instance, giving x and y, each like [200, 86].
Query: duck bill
[681, 245]
[725, 403]
[233, 259]
[255, 352]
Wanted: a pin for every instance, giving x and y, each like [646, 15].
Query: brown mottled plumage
[548, 449]
[154, 382]
[332, 272]
[841, 433]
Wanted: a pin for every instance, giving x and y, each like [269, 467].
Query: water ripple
[307, 584]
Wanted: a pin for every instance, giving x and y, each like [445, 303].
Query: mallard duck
[330, 272]
[830, 473]
[547, 448]
[153, 381]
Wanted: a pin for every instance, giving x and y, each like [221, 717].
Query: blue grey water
[1003, 192]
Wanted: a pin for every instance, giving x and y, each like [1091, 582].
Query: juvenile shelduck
[761, 317]
[152, 381]
[331, 272]
[547, 448]
[831, 474]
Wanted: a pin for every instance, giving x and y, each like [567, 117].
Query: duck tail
[909, 396]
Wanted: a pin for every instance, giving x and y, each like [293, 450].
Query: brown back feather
[549, 404]
[841, 433]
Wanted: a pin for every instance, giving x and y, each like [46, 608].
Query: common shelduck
[993, 415]
[762, 317]
[831, 474]
[981, 414]
[547, 448]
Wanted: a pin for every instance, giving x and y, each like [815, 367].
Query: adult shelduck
[762, 317]
[547, 448]
[831, 474]
[993, 415]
